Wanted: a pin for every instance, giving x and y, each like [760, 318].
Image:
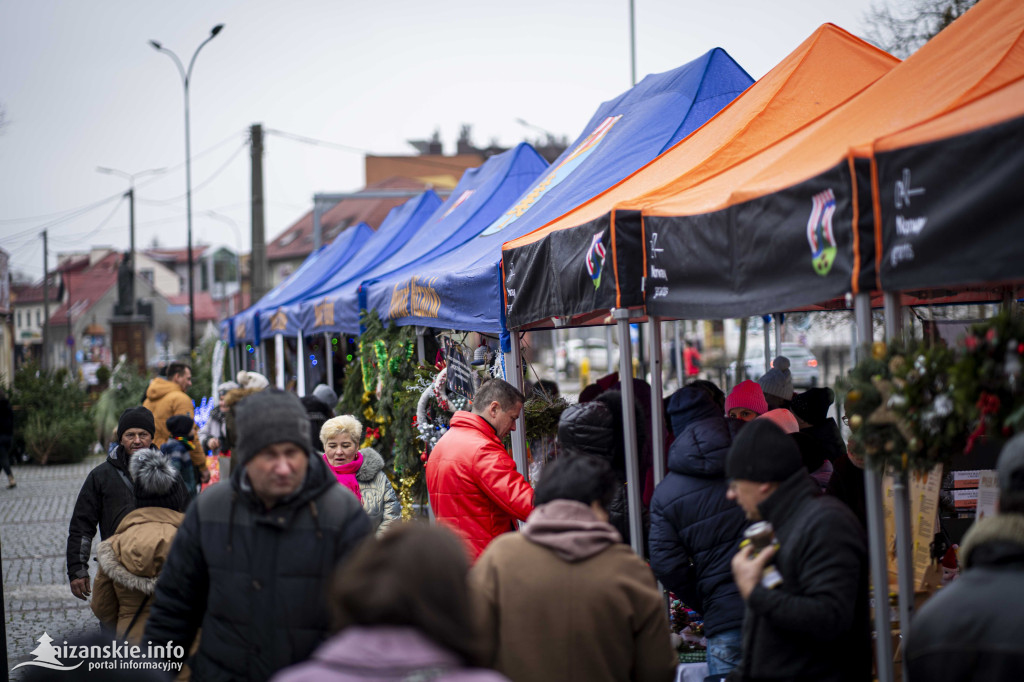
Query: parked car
[570, 355]
[803, 366]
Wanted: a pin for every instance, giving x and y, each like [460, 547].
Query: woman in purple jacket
[404, 609]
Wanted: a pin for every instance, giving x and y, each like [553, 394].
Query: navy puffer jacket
[695, 530]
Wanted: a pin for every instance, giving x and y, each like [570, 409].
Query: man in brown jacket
[565, 600]
[166, 398]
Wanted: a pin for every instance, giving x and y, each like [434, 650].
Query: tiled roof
[297, 240]
[85, 287]
[22, 294]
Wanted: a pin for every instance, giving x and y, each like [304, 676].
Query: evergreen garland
[913, 407]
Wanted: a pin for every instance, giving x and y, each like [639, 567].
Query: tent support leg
[300, 366]
[901, 498]
[767, 321]
[515, 374]
[636, 539]
[421, 351]
[876, 520]
[329, 355]
[677, 352]
[657, 398]
[279, 361]
[778, 337]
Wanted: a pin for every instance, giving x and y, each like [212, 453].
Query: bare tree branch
[901, 27]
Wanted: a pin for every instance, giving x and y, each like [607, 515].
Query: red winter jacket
[473, 483]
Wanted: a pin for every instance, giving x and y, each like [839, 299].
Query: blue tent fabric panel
[399, 227]
[462, 290]
[320, 265]
[481, 196]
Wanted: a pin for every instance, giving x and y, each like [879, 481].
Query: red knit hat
[747, 394]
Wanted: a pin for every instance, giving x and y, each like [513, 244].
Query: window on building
[147, 274]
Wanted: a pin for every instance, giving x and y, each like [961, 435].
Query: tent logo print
[819, 231]
[46, 656]
[594, 265]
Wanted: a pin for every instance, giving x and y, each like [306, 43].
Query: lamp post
[131, 204]
[186, 76]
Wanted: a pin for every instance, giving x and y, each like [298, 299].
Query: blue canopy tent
[462, 289]
[399, 227]
[314, 270]
[481, 196]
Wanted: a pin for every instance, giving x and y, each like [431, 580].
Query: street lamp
[186, 76]
[131, 199]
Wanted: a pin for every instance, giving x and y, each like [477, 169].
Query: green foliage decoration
[913, 407]
[124, 390]
[52, 416]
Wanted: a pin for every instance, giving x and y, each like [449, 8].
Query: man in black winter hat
[814, 624]
[106, 496]
[252, 560]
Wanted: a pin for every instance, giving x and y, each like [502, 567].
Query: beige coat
[547, 619]
[129, 563]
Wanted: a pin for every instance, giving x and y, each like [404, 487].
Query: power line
[358, 150]
[204, 183]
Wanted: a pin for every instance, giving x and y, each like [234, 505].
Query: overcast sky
[81, 87]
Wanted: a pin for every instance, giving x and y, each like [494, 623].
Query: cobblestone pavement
[34, 520]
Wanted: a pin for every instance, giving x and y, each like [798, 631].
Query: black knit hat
[812, 405]
[587, 428]
[135, 418]
[764, 453]
[269, 417]
[156, 481]
[179, 426]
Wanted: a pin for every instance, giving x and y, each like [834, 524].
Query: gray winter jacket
[379, 500]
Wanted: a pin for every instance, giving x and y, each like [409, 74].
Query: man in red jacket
[472, 481]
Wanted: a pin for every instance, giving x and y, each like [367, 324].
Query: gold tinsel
[405, 486]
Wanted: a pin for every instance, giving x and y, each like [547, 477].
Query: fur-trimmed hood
[373, 463]
[136, 553]
[996, 539]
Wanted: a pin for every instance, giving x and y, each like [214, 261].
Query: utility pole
[131, 237]
[258, 256]
[43, 364]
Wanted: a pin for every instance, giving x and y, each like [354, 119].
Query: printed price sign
[460, 375]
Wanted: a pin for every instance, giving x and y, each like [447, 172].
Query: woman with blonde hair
[361, 471]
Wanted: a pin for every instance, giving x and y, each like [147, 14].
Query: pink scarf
[346, 474]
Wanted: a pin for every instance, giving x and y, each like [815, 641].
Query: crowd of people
[298, 564]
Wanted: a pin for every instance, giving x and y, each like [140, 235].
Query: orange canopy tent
[793, 225]
[826, 70]
[947, 198]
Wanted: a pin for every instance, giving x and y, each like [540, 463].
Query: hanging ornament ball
[915, 444]
[423, 457]
[856, 421]
[853, 396]
[890, 446]
[897, 364]
[878, 350]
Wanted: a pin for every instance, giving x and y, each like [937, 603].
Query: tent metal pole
[677, 354]
[767, 322]
[636, 539]
[778, 337]
[300, 366]
[233, 362]
[657, 400]
[515, 374]
[421, 351]
[901, 498]
[279, 361]
[330, 359]
[893, 316]
[608, 343]
[876, 521]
